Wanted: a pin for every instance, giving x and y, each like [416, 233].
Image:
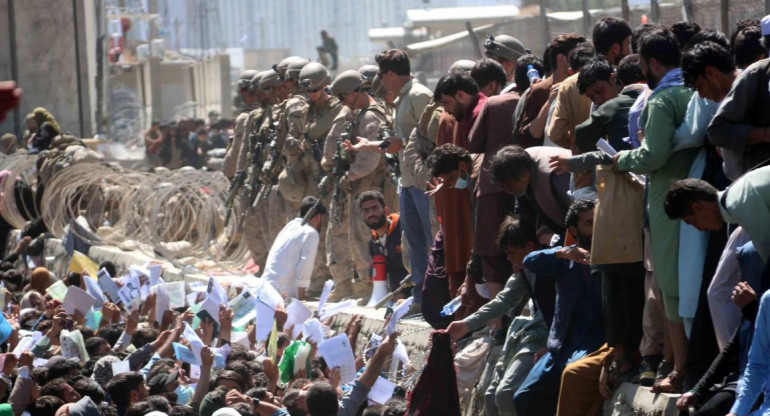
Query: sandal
[621, 371]
[672, 384]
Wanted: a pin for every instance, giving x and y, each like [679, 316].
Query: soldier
[307, 121]
[292, 74]
[259, 226]
[367, 172]
[249, 100]
[369, 72]
[505, 50]
[339, 260]
[410, 98]
[277, 212]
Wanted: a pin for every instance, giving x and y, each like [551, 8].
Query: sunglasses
[313, 90]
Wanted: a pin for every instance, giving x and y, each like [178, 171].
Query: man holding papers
[290, 262]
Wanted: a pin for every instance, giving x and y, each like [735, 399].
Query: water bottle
[532, 73]
[451, 307]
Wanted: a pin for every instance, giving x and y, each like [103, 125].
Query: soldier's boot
[362, 291]
[342, 290]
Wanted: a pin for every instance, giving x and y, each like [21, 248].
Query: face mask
[183, 394]
[461, 183]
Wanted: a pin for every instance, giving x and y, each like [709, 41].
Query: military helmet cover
[504, 46]
[269, 79]
[313, 75]
[295, 66]
[462, 65]
[369, 72]
[245, 78]
[347, 82]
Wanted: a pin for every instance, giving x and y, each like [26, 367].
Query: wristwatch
[255, 402]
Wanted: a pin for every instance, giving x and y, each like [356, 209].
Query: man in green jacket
[665, 110]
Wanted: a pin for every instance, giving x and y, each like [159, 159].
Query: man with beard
[451, 168]
[385, 246]
[541, 191]
[290, 262]
[462, 98]
[664, 112]
[576, 329]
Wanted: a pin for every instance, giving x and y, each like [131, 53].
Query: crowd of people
[186, 142]
[599, 211]
[590, 208]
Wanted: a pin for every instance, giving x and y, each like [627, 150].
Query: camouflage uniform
[368, 172]
[339, 259]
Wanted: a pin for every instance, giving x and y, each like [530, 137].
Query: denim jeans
[415, 220]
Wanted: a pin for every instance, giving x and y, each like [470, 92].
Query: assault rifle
[392, 160]
[232, 192]
[315, 144]
[271, 169]
[341, 167]
[256, 170]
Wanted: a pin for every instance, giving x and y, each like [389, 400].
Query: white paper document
[155, 270]
[93, 289]
[297, 313]
[108, 286]
[26, 343]
[313, 330]
[196, 345]
[381, 391]
[398, 314]
[328, 286]
[265, 317]
[244, 308]
[337, 352]
[130, 292]
[78, 300]
[335, 308]
[119, 367]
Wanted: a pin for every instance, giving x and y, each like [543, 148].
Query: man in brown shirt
[530, 126]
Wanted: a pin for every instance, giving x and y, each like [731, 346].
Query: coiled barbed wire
[18, 187]
[173, 214]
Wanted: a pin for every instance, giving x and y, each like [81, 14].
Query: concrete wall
[212, 90]
[176, 85]
[55, 40]
[263, 59]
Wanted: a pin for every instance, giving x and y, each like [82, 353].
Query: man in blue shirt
[577, 327]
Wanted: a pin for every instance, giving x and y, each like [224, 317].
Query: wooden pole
[544, 23]
[724, 12]
[654, 11]
[688, 14]
[586, 18]
[474, 39]
[626, 12]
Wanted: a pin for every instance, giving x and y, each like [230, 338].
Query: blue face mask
[461, 183]
[183, 394]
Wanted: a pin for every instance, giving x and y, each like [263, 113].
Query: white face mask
[462, 183]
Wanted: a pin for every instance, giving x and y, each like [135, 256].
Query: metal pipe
[474, 40]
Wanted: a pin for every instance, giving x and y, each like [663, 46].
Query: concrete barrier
[633, 399]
